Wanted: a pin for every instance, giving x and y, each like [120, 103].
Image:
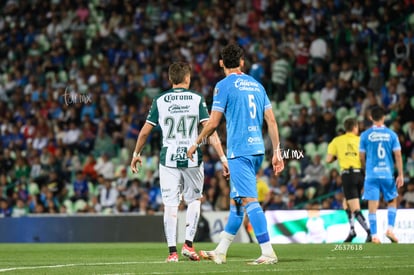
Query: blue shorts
[373, 187]
[243, 175]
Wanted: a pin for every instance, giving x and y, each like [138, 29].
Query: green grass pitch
[148, 258]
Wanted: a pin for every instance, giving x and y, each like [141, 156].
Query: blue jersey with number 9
[378, 144]
[243, 101]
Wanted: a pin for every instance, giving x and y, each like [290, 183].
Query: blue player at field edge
[245, 104]
[378, 145]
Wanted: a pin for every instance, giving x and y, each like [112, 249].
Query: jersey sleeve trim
[217, 108]
[152, 123]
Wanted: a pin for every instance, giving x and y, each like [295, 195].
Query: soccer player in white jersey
[245, 104]
[179, 111]
[378, 146]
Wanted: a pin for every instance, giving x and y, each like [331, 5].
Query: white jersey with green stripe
[178, 112]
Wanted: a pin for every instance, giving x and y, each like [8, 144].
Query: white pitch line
[69, 265]
[72, 265]
[289, 270]
[276, 268]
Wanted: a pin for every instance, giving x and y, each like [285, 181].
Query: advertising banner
[331, 226]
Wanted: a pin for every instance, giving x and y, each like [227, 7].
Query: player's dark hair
[377, 113]
[231, 55]
[350, 123]
[178, 71]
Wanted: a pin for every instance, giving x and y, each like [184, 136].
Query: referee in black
[345, 148]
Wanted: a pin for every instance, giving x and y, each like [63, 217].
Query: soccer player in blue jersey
[245, 105]
[378, 146]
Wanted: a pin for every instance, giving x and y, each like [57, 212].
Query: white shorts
[175, 182]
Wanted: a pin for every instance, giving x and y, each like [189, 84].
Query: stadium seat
[296, 164]
[86, 59]
[79, 206]
[69, 206]
[330, 166]
[341, 114]
[284, 110]
[352, 113]
[322, 148]
[63, 76]
[290, 97]
[285, 132]
[92, 189]
[107, 211]
[340, 127]
[33, 189]
[43, 42]
[50, 75]
[116, 161]
[317, 96]
[405, 127]
[124, 155]
[305, 98]
[71, 192]
[310, 149]
[68, 42]
[372, 60]
[88, 44]
[393, 69]
[91, 30]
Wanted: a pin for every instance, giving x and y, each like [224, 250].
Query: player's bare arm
[208, 129]
[398, 163]
[362, 158]
[142, 138]
[216, 143]
[277, 160]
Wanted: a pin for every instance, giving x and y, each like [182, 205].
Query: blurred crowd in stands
[77, 79]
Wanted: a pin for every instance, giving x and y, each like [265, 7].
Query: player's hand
[134, 162]
[400, 181]
[226, 170]
[278, 164]
[191, 151]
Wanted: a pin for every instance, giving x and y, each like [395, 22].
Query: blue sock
[373, 223]
[258, 221]
[235, 220]
[392, 213]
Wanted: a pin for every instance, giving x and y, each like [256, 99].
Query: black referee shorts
[352, 183]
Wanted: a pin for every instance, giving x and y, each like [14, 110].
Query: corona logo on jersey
[169, 98]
